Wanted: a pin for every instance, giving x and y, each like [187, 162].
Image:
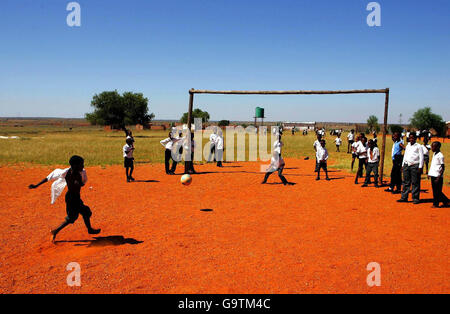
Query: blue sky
[164, 48]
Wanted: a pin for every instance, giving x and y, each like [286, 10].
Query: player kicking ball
[75, 178]
[277, 162]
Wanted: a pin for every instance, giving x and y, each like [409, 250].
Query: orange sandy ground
[314, 237]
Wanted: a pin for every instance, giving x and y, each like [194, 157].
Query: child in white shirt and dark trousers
[436, 174]
[412, 170]
[128, 160]
[322, 157]
[338, 142]
[373, 159]
[168, 144]
[75, 178]
[361, 152]
[316, 146]
[277, 162]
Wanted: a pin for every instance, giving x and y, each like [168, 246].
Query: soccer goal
[385, 91]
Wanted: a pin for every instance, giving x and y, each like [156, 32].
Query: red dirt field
[314, 237]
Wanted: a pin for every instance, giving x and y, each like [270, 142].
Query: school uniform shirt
[351, 136]
[128, 151]
[168, 142]
[276, 162]
[355, 146]
[322, 154]
[375, 152]
[59, 176]
[361, 151]
[426, 150]
[396, 149]
[413, 155]
[437, 163]
[316, 145]
[186, 144]
[219, 142]
[213, 138]
[338, 141]
[277, 147]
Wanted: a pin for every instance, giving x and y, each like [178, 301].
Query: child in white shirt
[128, 159]
[361, 152]
[373, 160]
[75, 178]
[322, 157]
[436, 174]
[338, 142]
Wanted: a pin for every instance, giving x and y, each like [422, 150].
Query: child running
[75, 178]
[128, 159]
[322, 157]
[436, 174]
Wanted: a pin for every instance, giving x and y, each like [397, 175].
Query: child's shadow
[146, 181]
[104, 241]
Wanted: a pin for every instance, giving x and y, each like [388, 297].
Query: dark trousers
[76, 207]
[212, 152]
[167, 158]
[438, 196]
[280, 175]
[189, 165]
[396, 173]
[411, 182]
[372, 167]
[361, 166]
[219, 157]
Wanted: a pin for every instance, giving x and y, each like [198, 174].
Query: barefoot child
[322, 157]
[128, 160]
[75, 178]
[436, 174]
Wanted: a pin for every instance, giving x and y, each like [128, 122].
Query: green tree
[396, 128]
[136, 109]
[224, 123]
[372, 124]
[197, 113]
[115, 110]
[425, 119]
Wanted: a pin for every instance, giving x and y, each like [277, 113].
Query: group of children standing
[410, 166]
[406, 169]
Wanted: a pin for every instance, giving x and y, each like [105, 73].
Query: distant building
[310, 126]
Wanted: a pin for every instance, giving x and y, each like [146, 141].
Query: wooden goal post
[305, 92]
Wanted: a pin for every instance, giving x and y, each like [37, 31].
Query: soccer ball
[186, 179]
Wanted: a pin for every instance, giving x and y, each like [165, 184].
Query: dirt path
[226, 233]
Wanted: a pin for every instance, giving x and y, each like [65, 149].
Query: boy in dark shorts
[75, 180]
[128, 160]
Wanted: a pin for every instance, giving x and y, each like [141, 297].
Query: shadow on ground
[104, 241]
